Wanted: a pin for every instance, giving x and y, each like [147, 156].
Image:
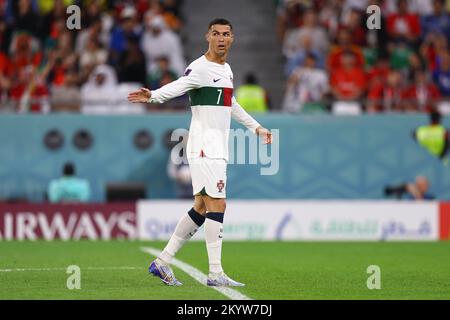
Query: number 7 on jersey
[220, 93]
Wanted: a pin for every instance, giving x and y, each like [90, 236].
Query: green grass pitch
[271, 270]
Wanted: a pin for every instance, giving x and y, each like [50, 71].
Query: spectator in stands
[69, 188]
[128, 27]
[161, 76]
[54, 68]
[316, 36]
[422, 95]
[58, 29]
[416, 64]
[166, 9]
[348, 82]
[344, 44]
[419, 7]
[331, 17]
[25, 17]
[95, 31]
[401, 55]
[158, 41]
[60, 57]
[67, 96]
[92, 56]
[173, 7]
[404, 25]
[161, 72]
[46, 6]
[432, 48]
[29, 92]
[441, 75]
[434, 137]
[92, 12]
[289, 16]
[379, 72]
[99, 93]
[298, 59]
[386, 96]
[307, 84]
[132, 65]
[351, 5]
[438, 21]
[47, 25]
[357, 27]
[64, 43]
[24, 52]
[251, 96]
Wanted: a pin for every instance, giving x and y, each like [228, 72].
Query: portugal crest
[220, 185]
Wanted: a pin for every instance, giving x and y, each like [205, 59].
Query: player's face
[220, 38]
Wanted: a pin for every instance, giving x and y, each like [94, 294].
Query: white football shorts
[209, 176]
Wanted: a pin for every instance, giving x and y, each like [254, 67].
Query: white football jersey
[210, 89]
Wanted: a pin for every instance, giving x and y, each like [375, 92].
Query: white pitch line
[199, 276]
[60, 269]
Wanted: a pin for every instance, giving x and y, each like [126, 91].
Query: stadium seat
[314, 107]
[125, 191]
[341, 108]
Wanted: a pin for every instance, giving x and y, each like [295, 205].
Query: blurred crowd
[335, 63]
[121, 46]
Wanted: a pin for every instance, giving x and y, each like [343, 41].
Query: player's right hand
[140, 96]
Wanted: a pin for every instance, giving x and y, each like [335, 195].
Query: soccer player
[209, 83]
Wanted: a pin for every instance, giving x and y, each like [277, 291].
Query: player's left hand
[265, 134]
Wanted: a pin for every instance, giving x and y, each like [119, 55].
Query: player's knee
[199, 206]
[200, 209]
[222, 205]
[215, 204]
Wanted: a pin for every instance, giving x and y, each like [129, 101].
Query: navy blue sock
[196, 217]
[216, 216]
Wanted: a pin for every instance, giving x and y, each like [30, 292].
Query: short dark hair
[221, 21]
[69, 169]
[435, 117]
[250, 78]
[311, 56]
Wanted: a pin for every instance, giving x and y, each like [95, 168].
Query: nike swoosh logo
[215, 80]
